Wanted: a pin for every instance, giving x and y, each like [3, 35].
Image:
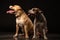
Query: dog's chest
[20, 20]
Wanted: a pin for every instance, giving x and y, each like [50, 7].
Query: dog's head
[34, 11]
[14, 8]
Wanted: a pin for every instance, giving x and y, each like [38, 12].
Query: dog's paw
[34, 37]
[15, 35]
[45, 38]
[26, 37]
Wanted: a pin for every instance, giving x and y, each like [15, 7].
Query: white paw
[26, 37]
[45, 38]
[15, 35]
[34, 37]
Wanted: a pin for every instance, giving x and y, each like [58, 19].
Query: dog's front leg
[17, 29]
[44, 34]
[34, 28]
[26, 31]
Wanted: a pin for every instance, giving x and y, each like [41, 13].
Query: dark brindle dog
[21, 20]
[39, 22]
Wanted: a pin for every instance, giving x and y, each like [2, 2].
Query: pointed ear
[40, 11]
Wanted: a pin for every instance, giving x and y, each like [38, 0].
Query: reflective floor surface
[9, 36]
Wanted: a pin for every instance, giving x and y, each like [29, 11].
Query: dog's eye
[33, 9]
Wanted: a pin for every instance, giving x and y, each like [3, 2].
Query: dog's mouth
[11, 11]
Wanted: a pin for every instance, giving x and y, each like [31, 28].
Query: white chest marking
[20, 20]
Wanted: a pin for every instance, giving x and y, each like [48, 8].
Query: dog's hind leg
[17, 29]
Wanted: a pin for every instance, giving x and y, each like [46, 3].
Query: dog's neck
[18, 13]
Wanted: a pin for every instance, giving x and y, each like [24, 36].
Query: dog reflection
[16, 38]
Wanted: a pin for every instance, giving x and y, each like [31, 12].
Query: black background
[49, 7]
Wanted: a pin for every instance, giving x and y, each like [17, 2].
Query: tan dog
[21, 20]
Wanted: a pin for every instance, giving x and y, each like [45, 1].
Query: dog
[40, 22]
[22, 20]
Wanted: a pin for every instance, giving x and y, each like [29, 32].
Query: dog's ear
[40, 11]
